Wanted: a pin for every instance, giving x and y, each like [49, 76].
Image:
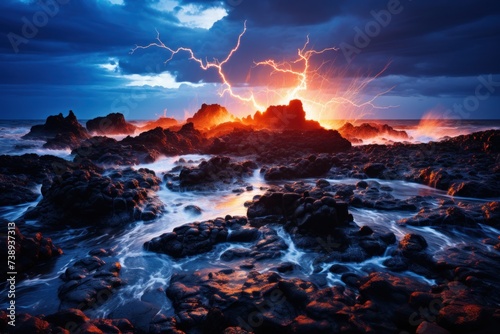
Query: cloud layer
[62, 54]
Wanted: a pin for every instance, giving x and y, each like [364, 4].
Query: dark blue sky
[443, 57]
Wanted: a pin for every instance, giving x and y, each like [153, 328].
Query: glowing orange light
[314, 102]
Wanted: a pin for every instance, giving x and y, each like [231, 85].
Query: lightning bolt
[206, 65]
[304, 76]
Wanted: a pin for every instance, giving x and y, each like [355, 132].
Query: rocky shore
[452, 289]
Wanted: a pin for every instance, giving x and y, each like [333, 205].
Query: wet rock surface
[312, 166]
[29, 251]
[190, 239]
[66, 321]
[217, 173]
[20, 176]
[355, 278]
[459, 214]
[89, 283]
[465, 166]
[89, 198]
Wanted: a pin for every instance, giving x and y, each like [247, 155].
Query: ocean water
[146, 272]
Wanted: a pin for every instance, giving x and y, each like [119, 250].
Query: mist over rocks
[68, 130]
[358, 133]
[113, 124]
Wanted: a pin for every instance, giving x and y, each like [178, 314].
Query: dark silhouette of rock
[271, 146]
[113, 124]
[145, 148]
[61, 127]
[210, 115]
[311, 166]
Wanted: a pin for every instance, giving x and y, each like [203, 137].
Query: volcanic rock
[190, 239]
[311, 166]
[30, 251]
[89, 282]
[113, 124]
[162, 122]
[216, 173]
[62, 126]
[370, 130]
[20, 176]
[145, 148]
[210, 115]
[283, 117]
[88, 198]
[271, 146]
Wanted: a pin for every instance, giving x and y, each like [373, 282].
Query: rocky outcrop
[145, 148]
[83, 198]
[464, 166]
[312, 166]
[65, 321]
[162, 122]
[216, 173]
[190, 239]
[270, 147]
[112, 124]
[89, 283]
[283, 117]
[67, 129]
[21, 176]
[210, 115]
[369, 131]
[29, 251]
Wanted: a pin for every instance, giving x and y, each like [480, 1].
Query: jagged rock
[66, 129]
